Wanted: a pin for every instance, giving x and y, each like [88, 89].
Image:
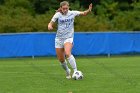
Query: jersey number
[67, 25]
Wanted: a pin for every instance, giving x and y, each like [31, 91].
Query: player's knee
[61, 60]
[67, 54]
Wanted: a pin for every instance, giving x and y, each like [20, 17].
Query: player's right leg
[61, 58]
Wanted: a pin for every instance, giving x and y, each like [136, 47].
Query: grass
[45, 75]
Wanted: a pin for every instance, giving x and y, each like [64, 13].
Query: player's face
[65, 9]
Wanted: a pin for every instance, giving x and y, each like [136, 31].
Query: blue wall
[42, 44]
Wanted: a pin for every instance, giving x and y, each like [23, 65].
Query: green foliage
[34, 16]
[24, 23]
[41, 6]
[127, 21]
[1, 2]
[91, 23]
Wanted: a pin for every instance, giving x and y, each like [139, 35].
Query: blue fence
[42, 44]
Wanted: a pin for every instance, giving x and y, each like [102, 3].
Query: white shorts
[59, 43]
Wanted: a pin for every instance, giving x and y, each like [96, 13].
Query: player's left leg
[67, 48]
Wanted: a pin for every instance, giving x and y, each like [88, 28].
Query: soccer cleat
[68, 76]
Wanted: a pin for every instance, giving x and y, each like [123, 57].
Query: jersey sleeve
[55, 17]
[76, 13]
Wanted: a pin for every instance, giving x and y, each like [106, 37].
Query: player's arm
[50, 25]
[84, 13]
[53, 20]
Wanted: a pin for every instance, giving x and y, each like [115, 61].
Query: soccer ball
[77, 75]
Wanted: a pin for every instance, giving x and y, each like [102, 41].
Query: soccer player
[65, 34]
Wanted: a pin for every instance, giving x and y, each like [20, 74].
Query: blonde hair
[64, 3]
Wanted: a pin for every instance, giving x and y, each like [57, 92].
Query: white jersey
[65, 24]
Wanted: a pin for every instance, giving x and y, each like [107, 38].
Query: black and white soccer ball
[77, 75]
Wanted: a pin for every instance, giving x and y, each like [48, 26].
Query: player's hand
[90, 7]
[50, 27]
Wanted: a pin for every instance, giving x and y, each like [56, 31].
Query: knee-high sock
[72, 62]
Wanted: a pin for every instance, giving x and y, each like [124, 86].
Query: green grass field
[45, 75]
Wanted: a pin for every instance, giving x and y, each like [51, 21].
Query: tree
[1, 2]
[41, 6]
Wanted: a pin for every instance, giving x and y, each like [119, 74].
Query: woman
[65, 34]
